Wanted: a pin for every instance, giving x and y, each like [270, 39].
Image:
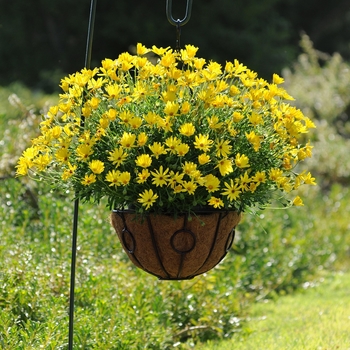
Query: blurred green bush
[320, 84]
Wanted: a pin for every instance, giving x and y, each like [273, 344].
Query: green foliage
[19, 122]
[320, 85]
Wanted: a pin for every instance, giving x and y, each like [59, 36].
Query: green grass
[315, 318]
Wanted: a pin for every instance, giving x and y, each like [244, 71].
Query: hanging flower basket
[176, 248]
[168, 132]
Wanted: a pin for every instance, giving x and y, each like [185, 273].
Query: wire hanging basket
[176, 248]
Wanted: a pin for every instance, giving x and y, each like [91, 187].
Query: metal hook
[178, 22]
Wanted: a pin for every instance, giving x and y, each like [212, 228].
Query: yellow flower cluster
[172, 136]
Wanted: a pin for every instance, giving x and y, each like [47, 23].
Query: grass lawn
[316, 318]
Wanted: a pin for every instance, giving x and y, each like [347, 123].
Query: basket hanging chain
[178, 23]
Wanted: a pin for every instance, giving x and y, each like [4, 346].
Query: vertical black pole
[76, 202]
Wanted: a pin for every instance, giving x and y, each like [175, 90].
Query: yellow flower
[113, 177]
[171, 108]
[96, 166]
[94, 102]
[94, 84]
[160, 51]
[30, 153]
[187, 129]
[203, 159]
[125, 117]
[186, 107]
[42, 161]
[140, 91]
[259, 177]
[254, 139]
[212, 183]
[234, 90]
[232, 191]
[141, 49]
[189, 168]
[170, 96]
[216, 202]
[69, 172]
[175, 179]
[225, 166]
[223, 148]
[62, 155]
[168, 59]
[243, 181]
[151, 118]
[189, 52]
[182, 149]
[124, 100]
[199, 63]
[172, 142]
[56, 132]
[276, 79]
[256, 119]
[143, 176]
[124, 178]
[166, 123]
[22, 166]
[111, 114]
[142, 139]
[242, 161]
[202, 142]
[252, 187]
[104, 122]
[117, 156]
[89, 179]
[157, 149]
[298, 201]
[275, 174]
[127, 140]
[214, 122]
[144, 160]
[237, 117]
[135, 122]
[113, 90]
[189, 187]
[308, 179]
[84, 152]
[147, 198]
[160, 177]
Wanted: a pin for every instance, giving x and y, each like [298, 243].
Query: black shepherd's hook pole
[76, 202]
[178, 23]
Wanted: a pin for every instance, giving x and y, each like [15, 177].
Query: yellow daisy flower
[88, 179]
[143, 176]
[160, 177]
[216, 202]
[187, 129]
[147, 198]
[182, 149]
[144, 160]
[96, 166]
